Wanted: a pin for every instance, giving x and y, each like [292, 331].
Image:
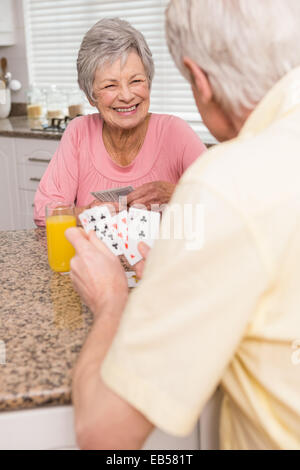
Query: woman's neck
[123, 145]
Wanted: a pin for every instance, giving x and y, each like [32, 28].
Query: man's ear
[200, 80]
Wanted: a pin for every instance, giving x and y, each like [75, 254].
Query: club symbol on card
[103, 216]
[96, 229]
[92, 219]
[103, 233]
[142, 234]
[143, 219]
[115, 246]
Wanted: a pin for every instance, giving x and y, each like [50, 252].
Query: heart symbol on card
[124, 221]
[132, 256]
[120, 235]
[115, 226]
[126, 246]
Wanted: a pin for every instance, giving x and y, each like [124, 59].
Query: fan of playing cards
[122, 232]
[112, 195]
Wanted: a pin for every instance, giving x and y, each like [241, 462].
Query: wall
[16, 55]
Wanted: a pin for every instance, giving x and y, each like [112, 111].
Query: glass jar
[56, 103]
[75, 103]
[36, 102]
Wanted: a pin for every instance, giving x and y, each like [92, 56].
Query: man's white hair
[244, 46]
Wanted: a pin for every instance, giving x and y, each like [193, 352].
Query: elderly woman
[123, 144]
[227, 313]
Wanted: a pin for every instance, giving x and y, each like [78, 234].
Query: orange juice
[60, 250]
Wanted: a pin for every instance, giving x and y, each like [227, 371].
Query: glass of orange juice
[59, 217]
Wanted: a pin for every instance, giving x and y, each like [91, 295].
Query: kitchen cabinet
[7, 34]
[32, 157]
[9, 203]
[53, 428]
[23, 163]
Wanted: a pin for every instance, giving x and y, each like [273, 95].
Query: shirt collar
[281, 100]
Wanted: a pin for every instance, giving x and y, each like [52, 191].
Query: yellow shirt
[229, 312]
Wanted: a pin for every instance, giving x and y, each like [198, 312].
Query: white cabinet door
[38, 429]
[53, 428]
[9, 207]
[22, 165]
[33, 157]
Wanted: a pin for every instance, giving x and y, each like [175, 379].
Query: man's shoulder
[264, 157]
[254, 174]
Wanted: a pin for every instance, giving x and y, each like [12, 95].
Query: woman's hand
[156, 192]
[97, 274]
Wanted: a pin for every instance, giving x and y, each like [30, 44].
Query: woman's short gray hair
[108, 40]
[244, 46]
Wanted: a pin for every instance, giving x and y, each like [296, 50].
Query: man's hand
[139, 267]
[97, 274]
[156, 192]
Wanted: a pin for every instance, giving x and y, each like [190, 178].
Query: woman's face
[121, 92]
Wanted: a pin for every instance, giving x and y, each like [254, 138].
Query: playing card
[122, 232]
[89, 217]
[112, 195]
[108, 236]
[99, 219]
[142, 226]
[119, 223]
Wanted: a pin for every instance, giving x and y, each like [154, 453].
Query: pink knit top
[81, 163]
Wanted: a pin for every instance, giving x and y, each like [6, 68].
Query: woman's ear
[92, 103]
[200, 80]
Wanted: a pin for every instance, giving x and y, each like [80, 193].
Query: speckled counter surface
[42, 324]
[21, 126]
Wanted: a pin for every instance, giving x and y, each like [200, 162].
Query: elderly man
[227, 313]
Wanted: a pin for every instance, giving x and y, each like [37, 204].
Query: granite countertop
[21, 126]
[43, 324]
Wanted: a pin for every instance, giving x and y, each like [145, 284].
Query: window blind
[55, 28]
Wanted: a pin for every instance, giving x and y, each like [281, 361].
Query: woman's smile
[127, 111]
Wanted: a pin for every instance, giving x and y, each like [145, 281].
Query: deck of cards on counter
[122, 232]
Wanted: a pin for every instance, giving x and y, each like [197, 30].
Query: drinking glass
[59, 217]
